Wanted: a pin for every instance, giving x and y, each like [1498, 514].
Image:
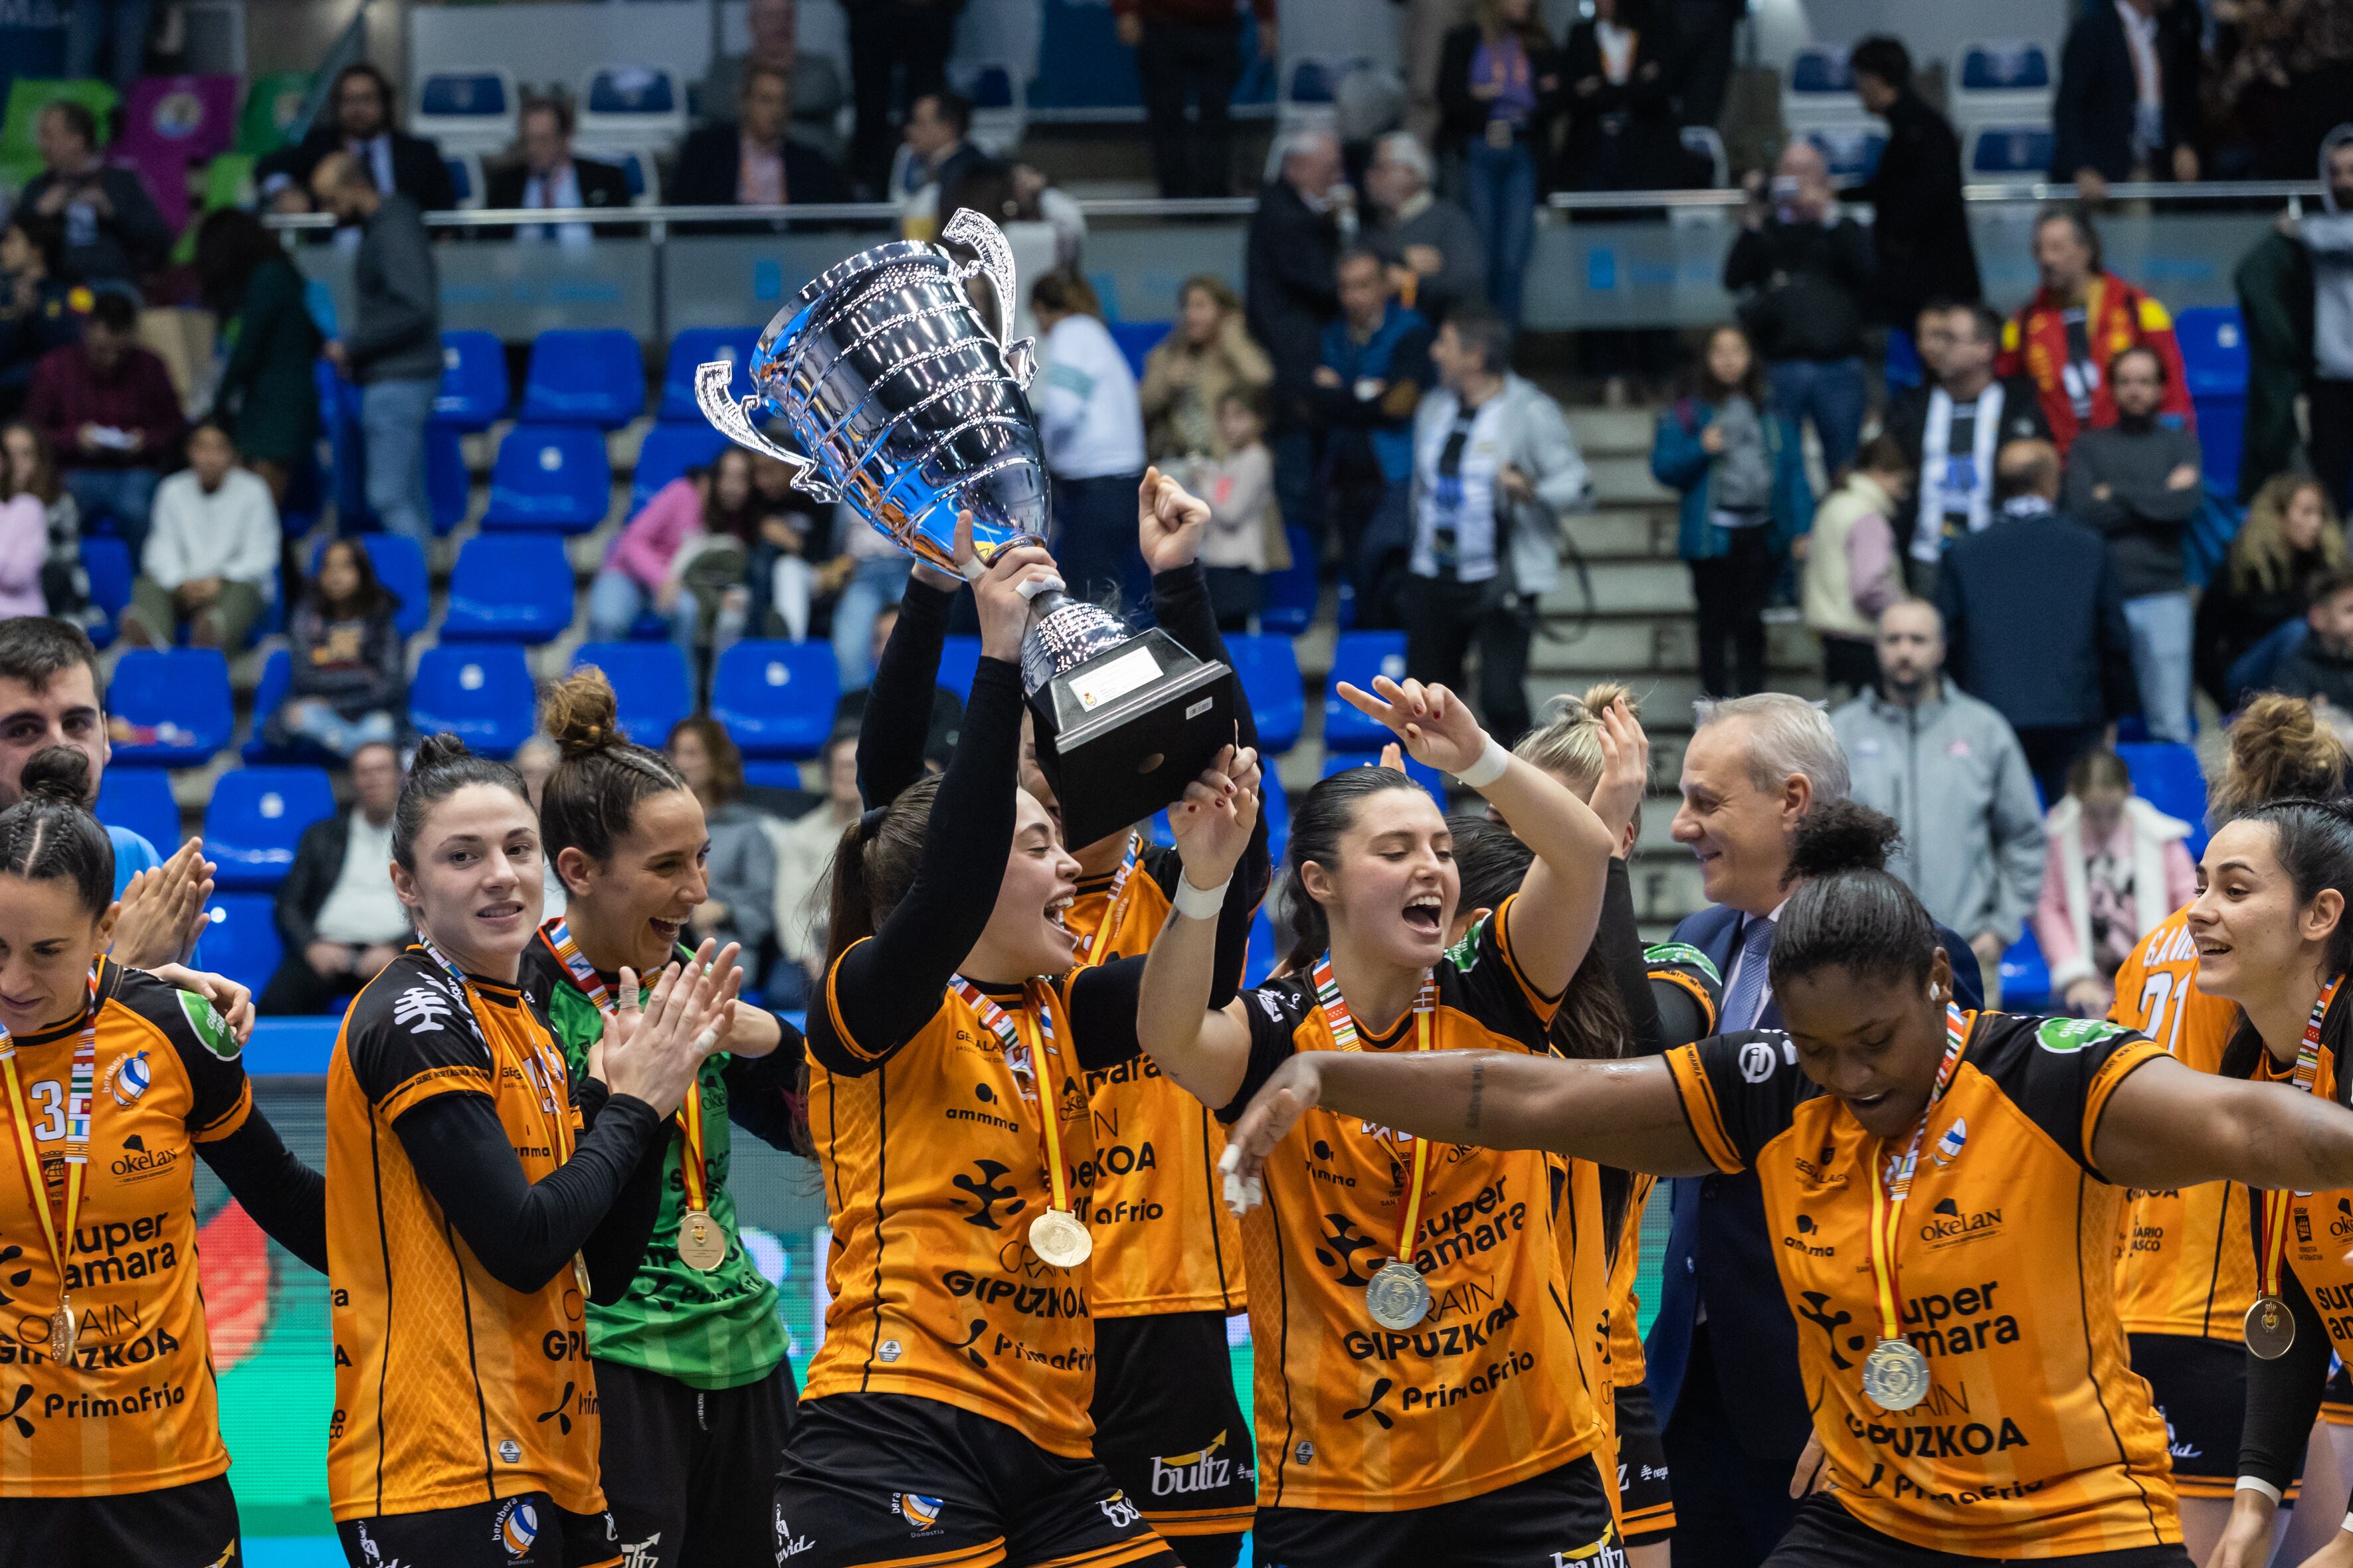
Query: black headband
[870, 823]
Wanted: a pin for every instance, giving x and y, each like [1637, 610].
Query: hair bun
[439, 750]
[1602, 693]
[57, 774]
[581, 714]
[1841, 835]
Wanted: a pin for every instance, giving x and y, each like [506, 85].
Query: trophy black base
[1121, 734]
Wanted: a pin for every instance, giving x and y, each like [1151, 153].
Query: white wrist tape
[1488, 767]
[1200, 904]
[2257, 1484]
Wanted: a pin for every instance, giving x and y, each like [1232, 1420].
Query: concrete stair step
[1624, 478]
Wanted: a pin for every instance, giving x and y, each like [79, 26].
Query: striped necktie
[1746, 1000]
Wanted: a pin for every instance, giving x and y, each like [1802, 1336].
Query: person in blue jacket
[1746, 503]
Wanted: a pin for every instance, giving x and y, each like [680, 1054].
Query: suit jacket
[1921, 231]
[1721, 1247]
[601, 185]
[707, 165]
[2092, 117]
[418, 171]
[318, 861]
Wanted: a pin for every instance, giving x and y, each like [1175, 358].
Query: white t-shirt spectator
[231, 532]
[362, 909]
[1087, 407]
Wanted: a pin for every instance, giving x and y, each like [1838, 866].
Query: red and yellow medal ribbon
[77, 1140]
[1342, 1025]
[1018, 1041]
[2274, 1215]
[1889, 1194]
[557, 936]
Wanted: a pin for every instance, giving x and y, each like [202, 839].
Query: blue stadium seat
[776, 698]
[694, 346]
[508, 588]
[549, 477]
[449, 488]
[2166, 774]
[1422, 773]
[2213, 340]
[268, 696]
[141, 800]
[1356, 658]
[2012, 150]
[2005, 68]
[399, 565]
[1819, 71]
[177, 702]
[1268, 669]
[1262, 956]
[1311, 82]
[1274, 802]
[584, 375]
[2025, 975]
[1137, 338]
[462, 187]
[473, 380]
[481, 694]
[1291, 594]
[255, 818]
[959, 657]
[108, 561]
[651, 679]
[1851, 151]
[669, 449]
[241, 941]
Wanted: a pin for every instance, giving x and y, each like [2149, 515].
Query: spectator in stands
[1191, 50]
[1432, 247]
[1093, 426]
[1705, 33]
[1803, 270]
[935, 150]
[645, 569]
[1852, 567]
[1495, 468]
[2033, 624]
[871, 572]
[2081, 317]
[1374, 369]
[27, 467]
[337, 915]
[1950, 426]
[2289, 544]
[24, 546]
[2114, 869]
[113, 235]
[1293, 255]
[2321, 667]
[39, 308]
[1741, 467]
[2295, 295]
[359, 125]
[2137, 481]
[119, 22]
[346, 661]
[742, 903]
[1499, 83]
[211, 559]
[947, 707]
[394, 347]
[536, 759]
[1189, 373]
[804, 848]
[773, 25]
[898, 54]
[1947, 768]
[786, 537]
[2127, 102]
[1618, 70]
[547, 174]
[1919, 229]
[267, 391]
[1244, 540]
[752, 161]
[108, 404]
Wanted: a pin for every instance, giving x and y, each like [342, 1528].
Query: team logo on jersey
[1757, 1061]
[1949, 1147]
[1669, 954]
[787, 1544]
[127, 1079]
[1122, 1513]
[2065, 1036]
[15, 1414]
[517, 1527]
[887, 1352]
[1464, 954]
[1204, 1470]
[137, 1162]
[923, 1512]
[986, 1194]
[1340, 1247]
[421, 1008]
[210, 1026]
[511, 1451]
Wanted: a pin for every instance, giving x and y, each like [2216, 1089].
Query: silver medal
[2270, 1328]
[1895, 1375]
[1057, 1237]
[1397, 1297]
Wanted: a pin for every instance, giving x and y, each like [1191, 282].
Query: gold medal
[701, 1244]
[62, 1332]
[1057, 1237]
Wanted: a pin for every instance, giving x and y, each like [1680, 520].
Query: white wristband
[1200, 904]
[1488, 767]
[2257, 1484]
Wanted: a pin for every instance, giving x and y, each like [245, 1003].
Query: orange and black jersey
[454, 1217]
[2036, 1438]
[1495, 1384]
[137, 1410]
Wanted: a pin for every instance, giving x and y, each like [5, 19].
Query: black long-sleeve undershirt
[285, 1197]
[897, 722]
[761, 1092]
[2284, 1396]
[601, 1204]
[1617, 939]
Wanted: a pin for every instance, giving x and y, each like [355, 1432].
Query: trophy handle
[996, 260]
[734, 420]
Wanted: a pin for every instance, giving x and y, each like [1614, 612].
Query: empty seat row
[583, 375]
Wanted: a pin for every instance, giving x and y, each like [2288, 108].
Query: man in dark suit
[2127, 102]
[550, 176]
[1921, 231]
[337, 915]
[750, 160]
[359, 121]
[1723, 1353]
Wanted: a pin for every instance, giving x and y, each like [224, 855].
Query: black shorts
[2199, 1389]
[687, 1472]
[1560, 1516]
[1167, 1425]
[1824, 1535]
[193, 1526]
[1646, 1506]
[525, 1532]
[875, 1479]
[2337, 1400]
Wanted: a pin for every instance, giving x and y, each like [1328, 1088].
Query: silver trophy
[910, 410]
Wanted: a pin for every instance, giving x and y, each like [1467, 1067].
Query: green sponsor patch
[210, 1026]
[1465, 954]
[1669, 954]
[2067, 1035]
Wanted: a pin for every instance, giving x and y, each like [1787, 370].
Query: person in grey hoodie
[394, 347]
[2138, 482]
[1948, 769]
[2328, 243]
